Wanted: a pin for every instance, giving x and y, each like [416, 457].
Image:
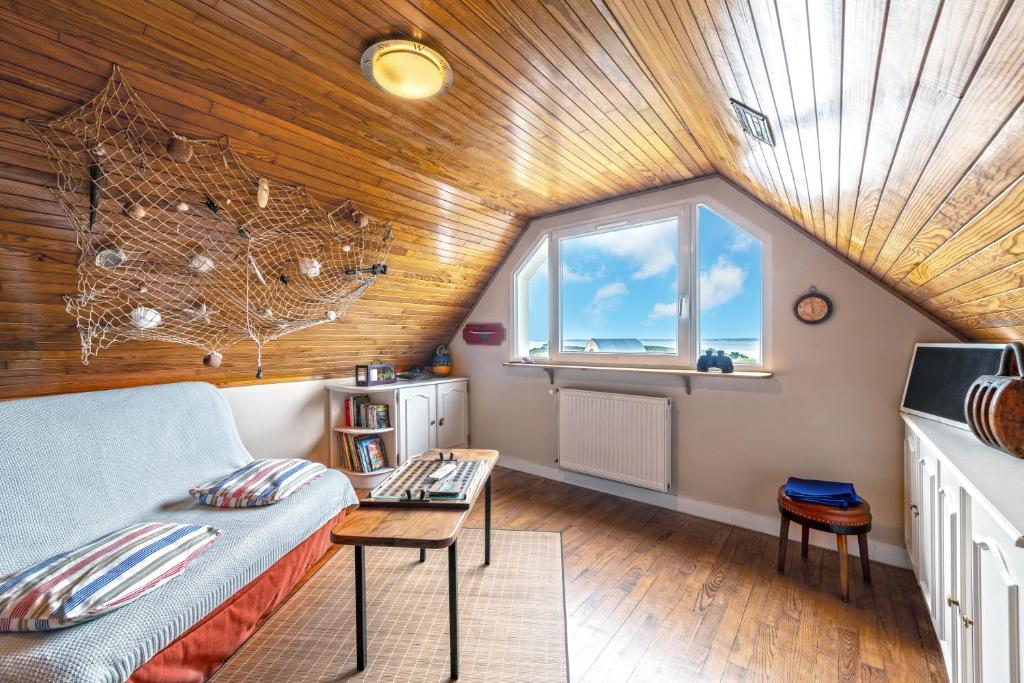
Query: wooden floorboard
[656, 595]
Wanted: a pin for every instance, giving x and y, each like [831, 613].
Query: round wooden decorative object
[178, 149]
[136, 211]
[813, 308]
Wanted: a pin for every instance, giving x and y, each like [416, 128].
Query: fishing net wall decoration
[182, 242]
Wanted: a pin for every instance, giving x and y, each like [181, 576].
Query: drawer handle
[968, 622]
[951, 601]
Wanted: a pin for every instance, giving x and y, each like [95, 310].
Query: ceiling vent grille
[754, 123]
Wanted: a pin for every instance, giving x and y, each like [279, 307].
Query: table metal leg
[360, 609]
[487, 522]
[423, 554]
[453, 609]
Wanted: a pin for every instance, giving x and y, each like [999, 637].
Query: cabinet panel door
[910, 495]
[418, 413]
[452, 414]
[948, 628]
[996, 615]
[926, 537]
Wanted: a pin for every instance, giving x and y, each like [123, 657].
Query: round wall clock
[813, 308]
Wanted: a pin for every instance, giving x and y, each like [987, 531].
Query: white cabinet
[993, 611]
[927, 536]
[452, 415]
[424, 415]
[417, 411]
[968, 555]
[949, 575]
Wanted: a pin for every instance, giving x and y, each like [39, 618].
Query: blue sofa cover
[77, 466]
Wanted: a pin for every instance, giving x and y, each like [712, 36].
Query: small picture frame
[373, 374]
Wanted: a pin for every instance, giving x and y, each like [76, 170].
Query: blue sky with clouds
[622, 283]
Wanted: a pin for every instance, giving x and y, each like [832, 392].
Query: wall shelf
[363, 430]
[685, 373]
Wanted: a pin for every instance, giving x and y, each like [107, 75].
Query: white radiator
[616, 436]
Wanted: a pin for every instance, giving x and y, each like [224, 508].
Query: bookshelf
[423, 415]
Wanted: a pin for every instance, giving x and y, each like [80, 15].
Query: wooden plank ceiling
[898, 135]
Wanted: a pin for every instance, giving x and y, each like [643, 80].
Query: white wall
[830, 411]
[282, 420]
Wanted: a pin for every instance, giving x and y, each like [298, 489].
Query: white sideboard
[425, 414]
[964, 531]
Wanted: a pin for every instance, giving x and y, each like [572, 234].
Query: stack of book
[362, 453]
[360, 411]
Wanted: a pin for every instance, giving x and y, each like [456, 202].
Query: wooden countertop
[411, 528]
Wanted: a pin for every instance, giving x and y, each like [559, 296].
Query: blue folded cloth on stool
[831, 493]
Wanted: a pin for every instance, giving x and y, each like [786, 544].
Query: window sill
[685, 373]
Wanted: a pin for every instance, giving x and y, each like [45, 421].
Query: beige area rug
[511, 617]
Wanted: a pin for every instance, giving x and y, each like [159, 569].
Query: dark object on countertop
[709, 360]
[830, 493]
[723, 362]
[416, 373]
[994, 406]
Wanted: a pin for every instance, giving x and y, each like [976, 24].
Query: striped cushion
[99, 577]
[261, 482]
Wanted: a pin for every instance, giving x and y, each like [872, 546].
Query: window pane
[729, 288]
[619, 290]
[533, 300]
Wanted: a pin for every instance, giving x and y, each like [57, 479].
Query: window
[619, 290]
[532, 311]
[656, 288]
[729, 288]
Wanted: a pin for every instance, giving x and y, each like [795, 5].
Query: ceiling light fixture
[407, 69]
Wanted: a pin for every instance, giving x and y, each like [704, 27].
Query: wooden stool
[854, 521]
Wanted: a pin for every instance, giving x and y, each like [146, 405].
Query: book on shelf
[362, 453]
[360, 411]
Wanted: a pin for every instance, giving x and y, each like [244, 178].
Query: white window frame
[520, 339]
[688, 321]
[767, 262]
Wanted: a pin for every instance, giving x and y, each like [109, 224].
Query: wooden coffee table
[395, 527]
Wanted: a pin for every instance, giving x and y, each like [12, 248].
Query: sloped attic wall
[897, 135]
[830, 411]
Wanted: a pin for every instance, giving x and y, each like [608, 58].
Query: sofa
[75, 467]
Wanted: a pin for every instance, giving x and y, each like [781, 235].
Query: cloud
[606, 298]
[651, 250]
[664, 310]
[721, 284]
[740, 241]
[570, 275]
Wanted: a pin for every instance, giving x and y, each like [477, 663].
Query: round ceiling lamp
[407, 69]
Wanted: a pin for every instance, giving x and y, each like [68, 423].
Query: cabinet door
[948, 627]
[418, 421]
[910, 495]
[926, 528]
[994, 616]
[452, 415]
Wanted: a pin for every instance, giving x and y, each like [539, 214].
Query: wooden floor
[655, 595]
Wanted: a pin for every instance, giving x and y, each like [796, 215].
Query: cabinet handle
[951, 601]
[433, 422]
[916, 512]
[440, 423]
[968, 622]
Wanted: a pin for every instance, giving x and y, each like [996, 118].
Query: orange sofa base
[199, 651]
